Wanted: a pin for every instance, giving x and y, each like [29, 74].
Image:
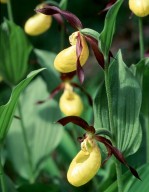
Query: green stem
[141, 38]
[119, 176]
[3, 184]
[9, 9]
[32, 179]
[109, 100]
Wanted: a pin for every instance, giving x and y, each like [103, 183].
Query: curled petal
[84, 167]
[70, 103]
[113, 150]
[108, 6]
[38, 24]
[78, 121]
[66, 60]
[53, 93]
[71, 18]
[94, 44]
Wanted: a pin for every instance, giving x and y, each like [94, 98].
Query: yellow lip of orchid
[70, 103]
[86, 163]
[139, 7]
[38, 24]
[66, 60]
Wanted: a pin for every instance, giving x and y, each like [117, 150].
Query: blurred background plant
[36, 152]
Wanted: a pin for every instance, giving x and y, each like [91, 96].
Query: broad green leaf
[106, 36]
[131, 184]
[46, 59]
[126, 102]
[7, 111]
[14, 52]
[42, 133]
[90, 32]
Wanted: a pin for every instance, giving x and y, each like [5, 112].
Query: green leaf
[15, 50]
[90, 32]
[63, 4]
[126, 102]
[131, 184]
[42, 133]
[7, 111]
[106, 36]
[46, 59]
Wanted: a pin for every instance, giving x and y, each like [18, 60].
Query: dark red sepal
[113, 150]
[78, 121]
[67, 76]
[108, 6]
[80, 72]
[94, 44]
[70, 17]
[53, 93]
[84, 91]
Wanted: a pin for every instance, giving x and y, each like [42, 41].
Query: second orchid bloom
[66, 60]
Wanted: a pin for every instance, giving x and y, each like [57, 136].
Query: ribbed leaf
[106, 35]
[7, 111]
[42, 133]
[14, 52]
[126, 101]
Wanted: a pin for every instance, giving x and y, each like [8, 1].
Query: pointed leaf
[7, 111]
[106, 36]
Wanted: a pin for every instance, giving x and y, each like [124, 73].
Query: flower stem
[9, 9]
[32, 179]
[109, 100]
[141, 38]
[3, 184]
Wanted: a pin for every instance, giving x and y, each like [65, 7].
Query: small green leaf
[90, 32]
[15, 50]
[106, 36]
[7, 111]
[126, 102]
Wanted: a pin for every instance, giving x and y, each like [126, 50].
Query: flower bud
[85, 165]
[70, 103]
[38, 24]
[66, 60]
[139, 7]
